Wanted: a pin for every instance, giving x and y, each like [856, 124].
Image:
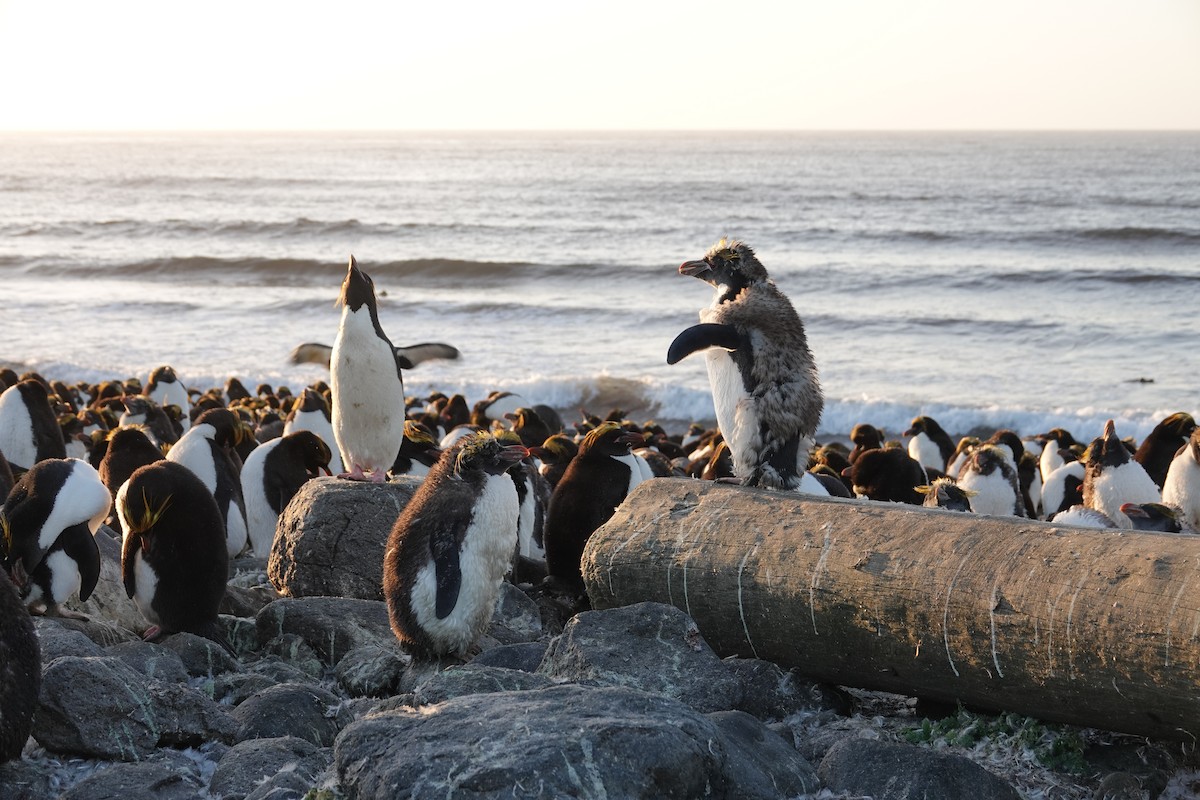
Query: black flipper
[443, 546]
[129, 550]
[78, 543]
[701, 337]
[311, 353]
[408, 357]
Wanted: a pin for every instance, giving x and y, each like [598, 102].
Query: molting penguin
[1112, 478]
[962, 453]
[48, 524]
[991, 475]
[207, 450]
[368, 393]
[165, 389]
[173, 561]
[311, 413]
[600, 476]
[1182, 485]
[1159, 448]
[270, 478]
[888, 474]
[447, 553]
[929, 444]
[20, 671]
[1083, 517]
[29, 430]
[764, 381]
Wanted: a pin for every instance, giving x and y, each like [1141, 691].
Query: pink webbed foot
[355, 474]
[377, 476]
[151, 633]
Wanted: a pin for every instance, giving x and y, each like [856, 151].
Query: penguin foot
[355, 474]
[377, 476]
[151, 633]
[55, 610]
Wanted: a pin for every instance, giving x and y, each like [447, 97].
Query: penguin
[1158, 449]
[1156, 517]
[407, 357]
[864, 437]
[270, 478]
[207, 450]
[48, 524]
[29, 430]
[495, 408]
[1063, 489]
[165, 389]
[454, 413]
[527, 424]
[991, 475]
[6, 477]
[720, 464]
[888, 474]
[128, 449]
[1083, 517]
[930, 444]
[600, 476]
[555, 454]
[418, 452]
[144, 412]
[764, 381]
[1054, 442]
[174, 560]
[962, 453]
[20, 672]
[692, 437]
[1181, 488]
[447, 554]
[368, 392]
[947, 494]
[1111, 478]
[311, 413]
[533, 496]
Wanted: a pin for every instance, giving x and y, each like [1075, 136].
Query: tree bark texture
[1090, 627]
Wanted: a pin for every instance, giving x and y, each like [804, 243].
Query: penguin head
[1181, 425]
[163, 374]
[358, 289]
[866, 436]
[418, 440]
[312, 451]
[144, 499]
[987, 458]
[1106, 452]
[609, 439]
[1152, 517]
[228, 426]
[945, 493]
[483, 452]
[1060, 435]
[557, 449]
[918, 425]
[729, 265]
[1010, 440]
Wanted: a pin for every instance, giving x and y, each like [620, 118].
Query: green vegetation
[1052, 746]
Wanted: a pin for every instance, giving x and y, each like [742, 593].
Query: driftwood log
[1089, 627]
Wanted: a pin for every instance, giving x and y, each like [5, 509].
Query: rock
[650, 646]
[308, 712]
[25, 779]
[279, 671]
[761, 764]
[95, 706]
[98, 630]
[234, 688]
[108, 600]
[137, 782]
[242, 602]
[471, 679]
[889, 771]
[564, 741]
[333, 626]
[294, 650]
[516, 617]
[371, 671]
[331, 537]
[186, 718]
[152, 660]
[56, 641]
[769, 693]
[247, 765]
[241, 633]
[20, 671]
[286, 786]
[201, 657]
[526, 656]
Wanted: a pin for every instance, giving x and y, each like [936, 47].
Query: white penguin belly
[636, 475]
[82, 498]
[145, 586]
[368, 401]
[1115, 486]
[737, 418]
[235, 529]
[194, 451]
[261, 519]
[1182, 486]
[924, 450]
[483, 558]
[1054, 489]
[16, 430]
[994, 493]
[65, 579]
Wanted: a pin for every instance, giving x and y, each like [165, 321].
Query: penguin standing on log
[368, 392]
[447, 553]
[48, 525]
[764, 381]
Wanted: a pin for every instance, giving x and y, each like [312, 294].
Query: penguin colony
[191, 479]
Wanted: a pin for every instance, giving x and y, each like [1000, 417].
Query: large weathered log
[1089, 627]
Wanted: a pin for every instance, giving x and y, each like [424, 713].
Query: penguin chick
[447, 553]
[990, 474]
[527, 424]
[173, 559]
[270, 478]
[1111, 478]
[945, 493]
[207, 449]
[764, 381]
[930, 444]
[368, 392]
[1159, 448]
[596, 482]
[1156, 517]
[1181, 488]
[864, 437]
[889, 475]
[145, 413]
[48, 523]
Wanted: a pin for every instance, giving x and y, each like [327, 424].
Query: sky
[613, 65]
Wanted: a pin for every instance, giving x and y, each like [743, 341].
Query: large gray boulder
[137, 782]
[291, 709]
[564, 741]
[891, 771]
[248, 764]
[332, 626]
[331, 537]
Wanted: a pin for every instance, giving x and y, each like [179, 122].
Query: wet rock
[57, 641]
[516, 617]
[186, 718]
[889, 771]
[471, 679]
[308, 712]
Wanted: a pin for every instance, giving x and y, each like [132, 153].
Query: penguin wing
[702, 337]
[443, 547]
[311, 353]
[78, 543]
[408, 357]
[129, 551]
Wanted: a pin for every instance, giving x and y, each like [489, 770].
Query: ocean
[1022, 280]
